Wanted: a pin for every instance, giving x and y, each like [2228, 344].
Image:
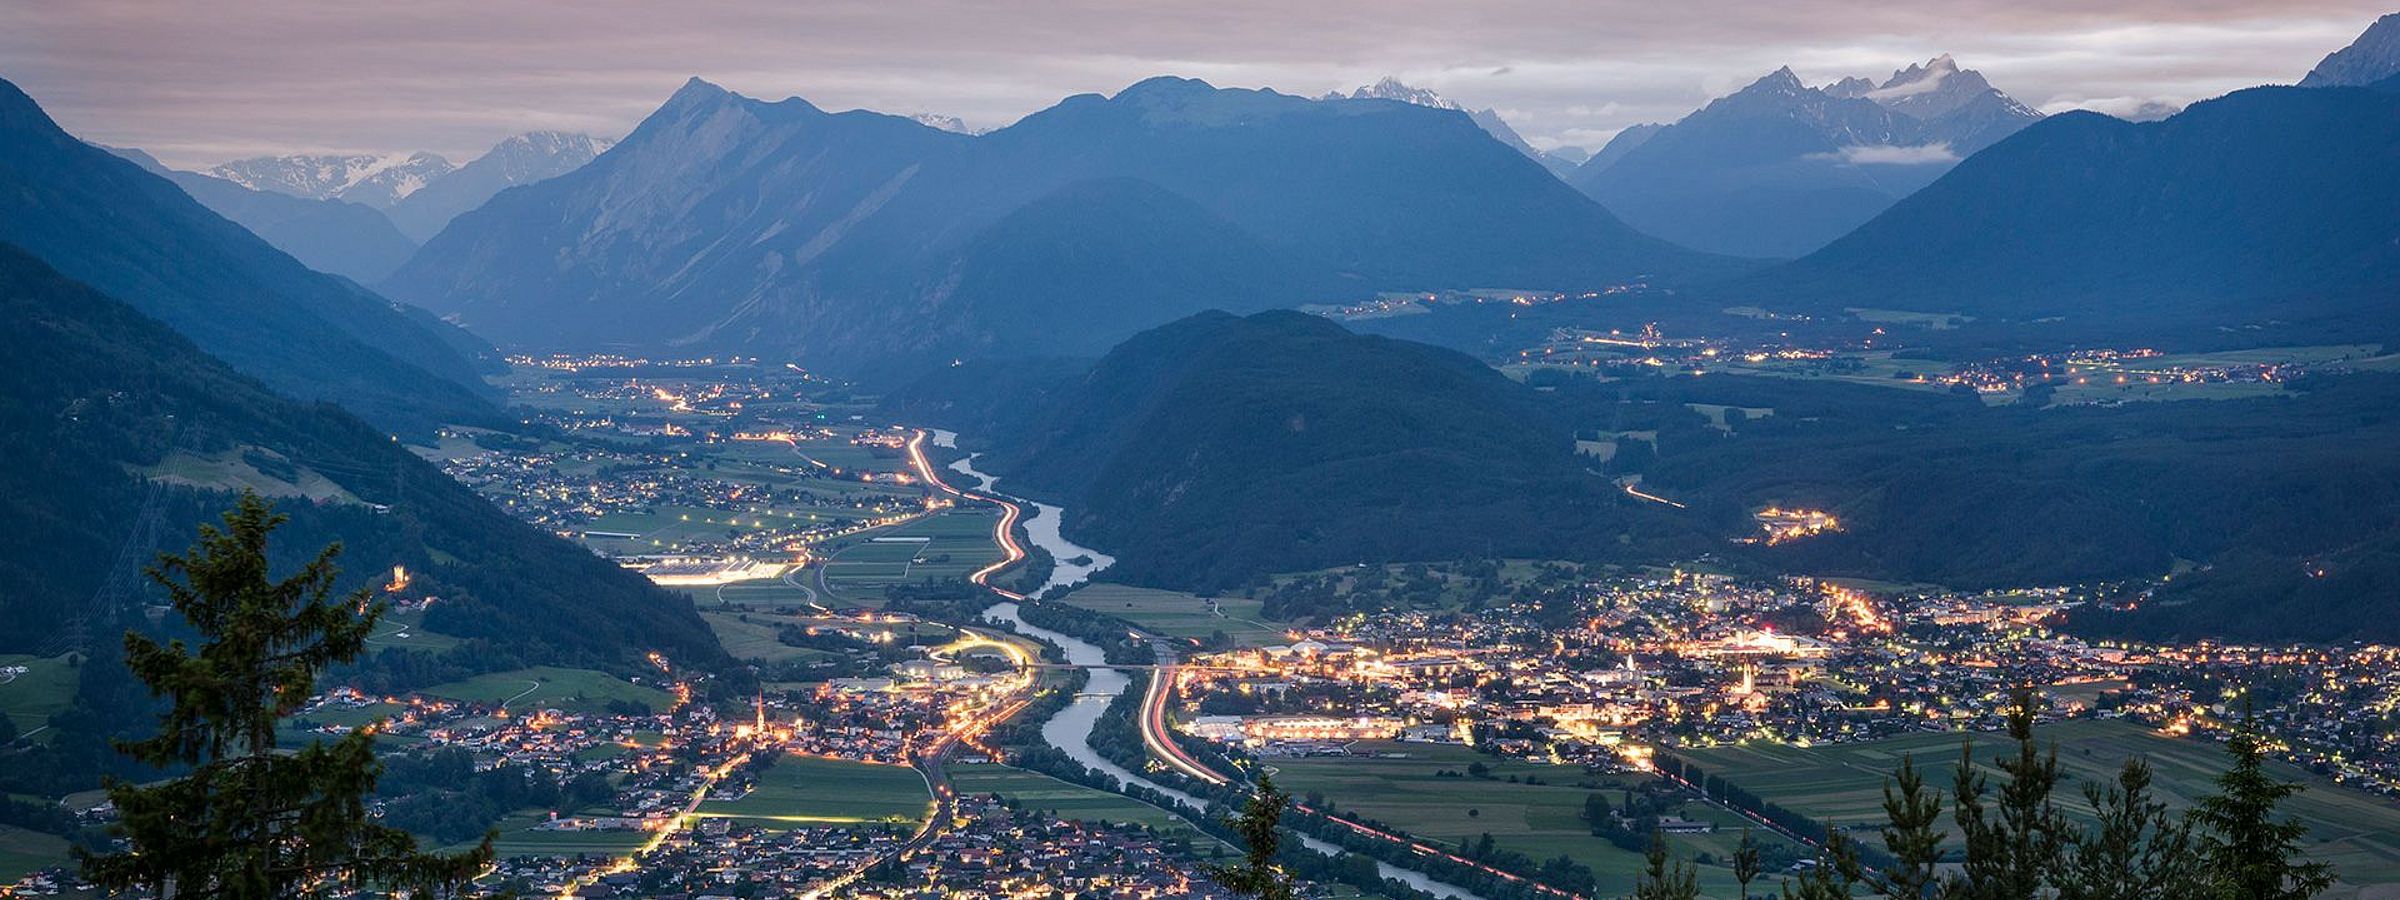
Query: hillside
[98, 397]
[104, 221]
[1218, 448]
[2273, 210]
[2284, 509]
[850, 240]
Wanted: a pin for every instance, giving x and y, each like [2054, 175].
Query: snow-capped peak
[941, 122]
[1913, 80]
[1390, 88]
[374, 179]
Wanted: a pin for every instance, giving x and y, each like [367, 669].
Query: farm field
[804, 790]
[24, 852]
[1539, 820]
[1068, 801]
[31, 697]
[943, 546]
[581, 690]
[1177, 614]
[518, 838]
[791, 591]
[2357, 832]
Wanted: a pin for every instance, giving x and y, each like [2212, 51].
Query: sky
[201, 83]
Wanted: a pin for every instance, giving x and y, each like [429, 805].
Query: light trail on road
[1003, 533]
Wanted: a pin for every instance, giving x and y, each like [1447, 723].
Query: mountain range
[1560, 161]
[375, 180]
[1779, 168]
[844, 239]
[334, 236]
[523, 159]
[411, 195]
[2271, 211]
[106, 222]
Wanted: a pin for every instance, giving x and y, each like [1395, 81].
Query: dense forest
[1218, 448]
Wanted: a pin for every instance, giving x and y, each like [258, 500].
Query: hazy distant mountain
[377, 181]
[96, 392]
[523, 159]
[335, 236]
[104, 221]
[2271, 205]
[856, 238]
[1780, 168]
[1217, 448]
[1390, 88]
[1623, 143]
[2374, 57]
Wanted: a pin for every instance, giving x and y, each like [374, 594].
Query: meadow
[24, 852]
[808, 790]
[1177, 614]
[1540, 820]
[45, 688]
[1065, 800]
[574, 690]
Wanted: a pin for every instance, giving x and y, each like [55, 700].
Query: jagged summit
[377, 180]
[1392, 88]
[2374, 57]
[1778, 167]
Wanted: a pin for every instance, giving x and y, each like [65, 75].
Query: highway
[1004, 532]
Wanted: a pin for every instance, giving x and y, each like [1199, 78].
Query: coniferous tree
[1914, 842]
[1661, 881]
[2245, 851]
[246, 822]
[1745, 862]
[1257, 875]
[2135, 850]
[1837, 872]
[2012, 849]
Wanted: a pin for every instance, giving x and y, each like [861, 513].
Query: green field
[807, 790]
[2358, 832]
[753, 636]
[407, 631]
[46, 688]
[575, 690]
[24, 852]
[1177, 614]
[1541, 821]
[763, 592]
[956, 543]
[1067, 801]
[517, 838]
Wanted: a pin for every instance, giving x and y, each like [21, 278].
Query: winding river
[1071, 563]
[1071, 729]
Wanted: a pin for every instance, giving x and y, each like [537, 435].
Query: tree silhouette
[246, 822]
[2248, 853]
[1257, 875]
